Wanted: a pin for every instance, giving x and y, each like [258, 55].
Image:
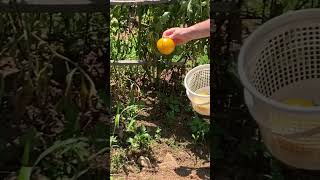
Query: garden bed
[165, 111]
[53, 102]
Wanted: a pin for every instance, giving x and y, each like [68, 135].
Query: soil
[172, 164]
[175, 155]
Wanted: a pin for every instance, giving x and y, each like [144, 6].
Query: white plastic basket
[197, 83]
[279, 61]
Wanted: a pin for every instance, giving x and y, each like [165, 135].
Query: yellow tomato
[166, 45]
[299, 102]
[204, 93]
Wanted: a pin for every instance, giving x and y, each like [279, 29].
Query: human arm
[184, 35]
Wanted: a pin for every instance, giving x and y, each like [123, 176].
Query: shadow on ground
[202, 173]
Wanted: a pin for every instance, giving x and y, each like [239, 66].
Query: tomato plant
[136, 29]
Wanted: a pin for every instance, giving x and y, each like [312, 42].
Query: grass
[132, 119]
[118, 158]
[52, 75]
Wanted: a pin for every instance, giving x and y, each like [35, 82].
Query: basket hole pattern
[199, 80]
[288, 57]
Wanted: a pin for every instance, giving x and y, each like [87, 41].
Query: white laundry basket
[279, 61]
[197, 84]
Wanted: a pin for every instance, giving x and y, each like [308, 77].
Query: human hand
[178, 35]
[184, 35]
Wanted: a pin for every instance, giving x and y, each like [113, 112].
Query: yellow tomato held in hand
[166, 45]
[299, 102]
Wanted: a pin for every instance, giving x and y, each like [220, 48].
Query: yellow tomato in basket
[166, 45]
[204, 93]
[299, 102]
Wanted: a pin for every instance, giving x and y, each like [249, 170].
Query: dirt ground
[174, 156]
[172, 164]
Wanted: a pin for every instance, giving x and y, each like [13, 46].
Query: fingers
[168, 32]
[175, 35]
[171, 33]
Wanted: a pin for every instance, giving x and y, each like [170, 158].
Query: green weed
[118, 157]
[172, 143]
[199, 128]
[157, 135]
[141, 140]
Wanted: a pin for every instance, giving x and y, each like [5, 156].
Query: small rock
[144, 162]
[131, 169]
[148, 102]
[192, 176]
[169, 162]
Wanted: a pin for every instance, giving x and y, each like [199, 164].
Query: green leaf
[104, 97]
[204, 3]
[117, 121]
[69, 148]
[143, 128]
[80, 173]
[68, 169]
[193, 136]
[55, 147]
[165, 17]
[28, 140]
[130, 140]
[131, 127]
[69, 78]
[189, 7]
[71, 116]
[158, 130]
[98, 153]
[113, 140]
[100, 132]
[25, 173]
[92, 90]
[83, 92]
